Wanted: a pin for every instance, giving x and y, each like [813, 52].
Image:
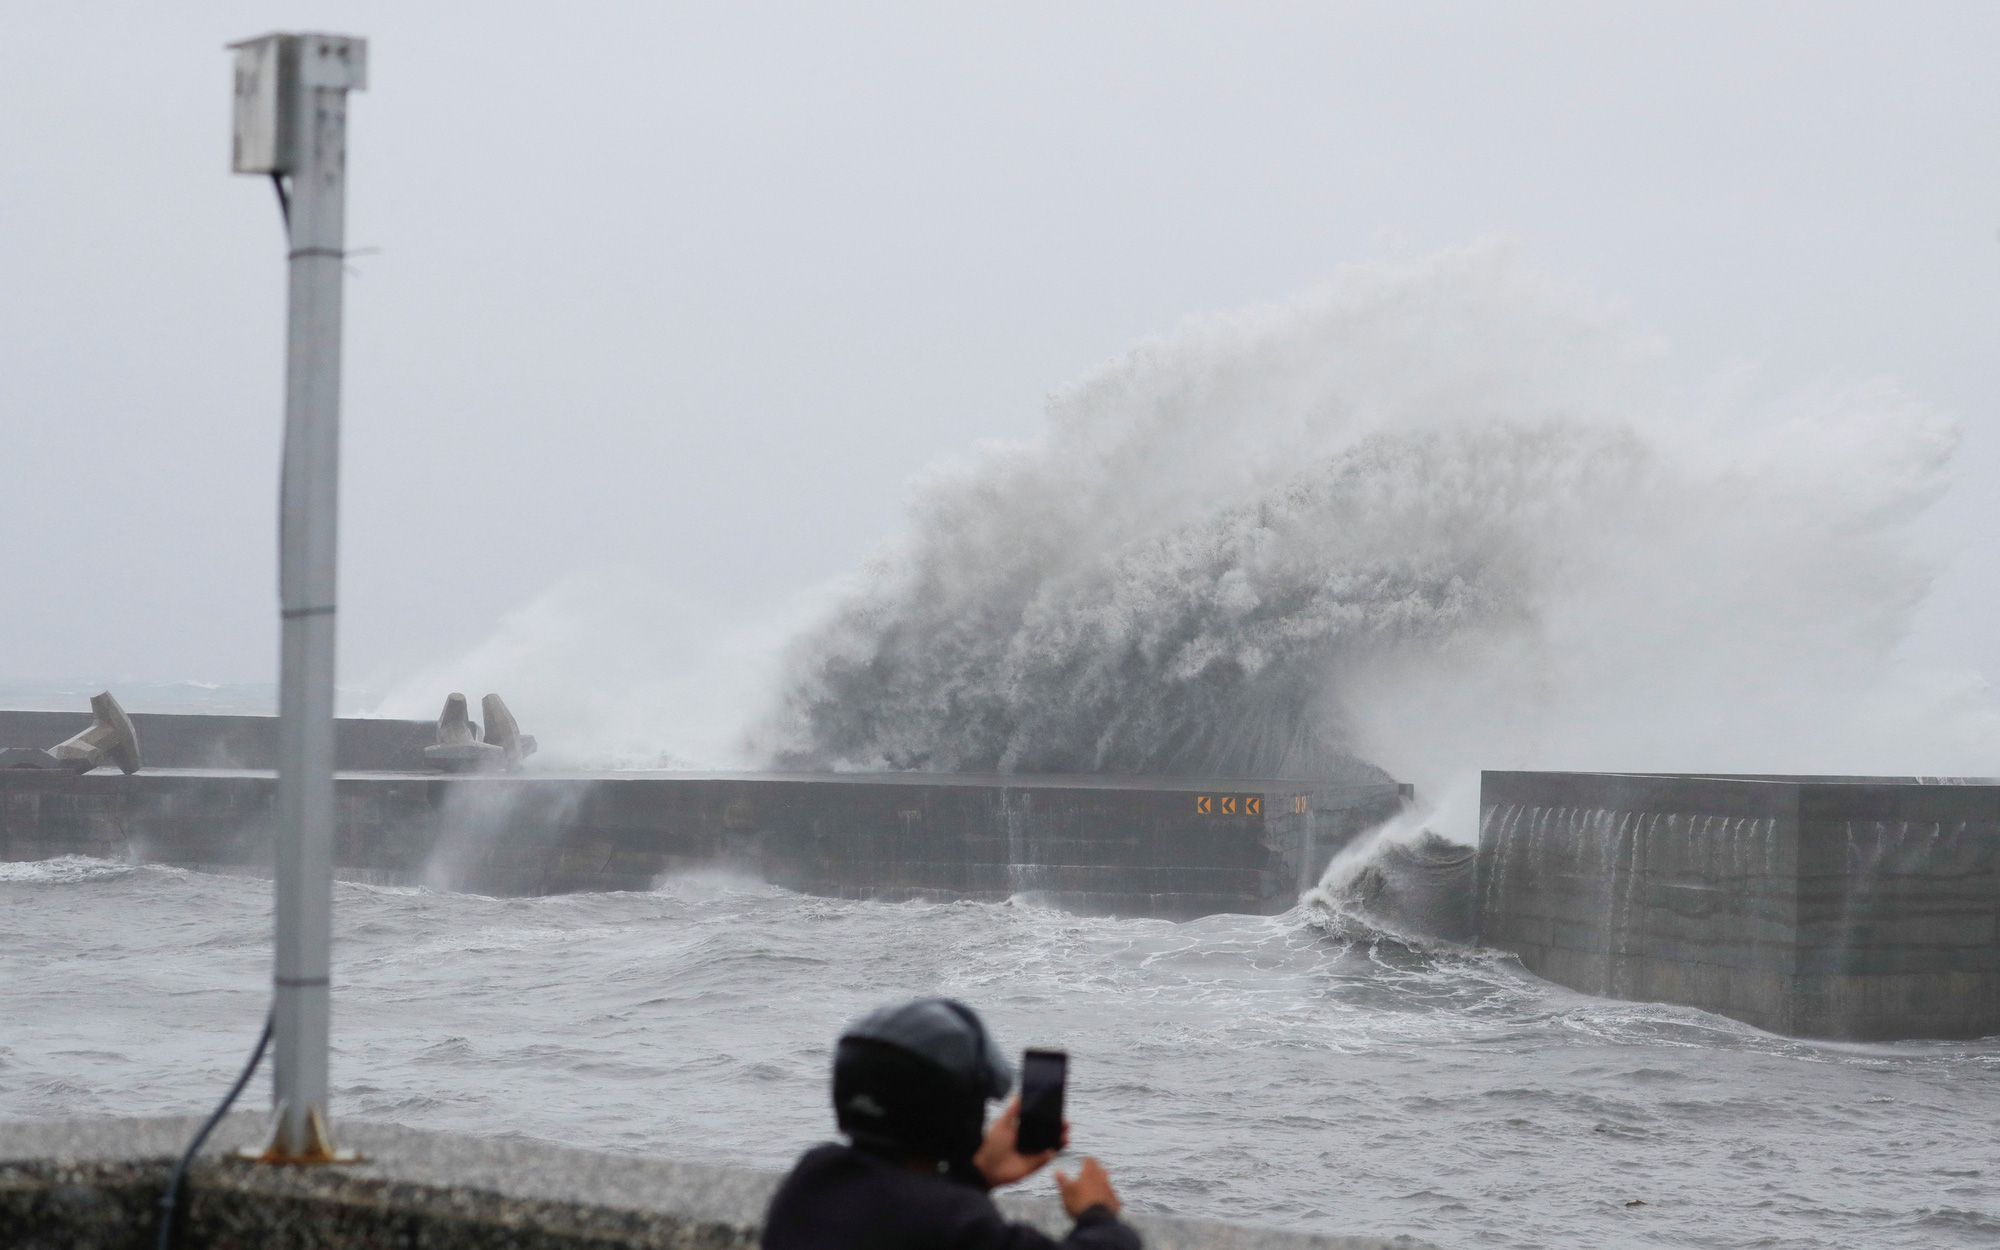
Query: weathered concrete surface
[109, 739]
[1864, 908]
[1098, 845]
[188, 740]
[96, 1185]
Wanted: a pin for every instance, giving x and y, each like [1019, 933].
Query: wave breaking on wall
[1445, 512]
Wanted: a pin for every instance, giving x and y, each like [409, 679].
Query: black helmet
[915, 1079]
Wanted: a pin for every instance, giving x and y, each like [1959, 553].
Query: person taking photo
[910, 1088]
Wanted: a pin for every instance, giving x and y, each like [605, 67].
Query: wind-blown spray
[1444, 513]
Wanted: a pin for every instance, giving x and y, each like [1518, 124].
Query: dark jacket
[840, 1198]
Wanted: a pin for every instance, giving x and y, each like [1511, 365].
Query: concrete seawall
[1863, 908]
[96, 1185]
[1096, 845]
[188, 740]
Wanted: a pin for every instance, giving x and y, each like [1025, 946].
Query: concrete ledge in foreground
[96, 1185]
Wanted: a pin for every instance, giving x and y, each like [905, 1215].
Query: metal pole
[315, 73]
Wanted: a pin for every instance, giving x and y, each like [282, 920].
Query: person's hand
[1090, 1188]
[1000, 1160]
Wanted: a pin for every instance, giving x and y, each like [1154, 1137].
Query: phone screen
[1043, 1074]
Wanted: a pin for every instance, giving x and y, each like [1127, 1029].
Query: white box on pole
[270, 70]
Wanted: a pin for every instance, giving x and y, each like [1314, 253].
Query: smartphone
[1043, 1074]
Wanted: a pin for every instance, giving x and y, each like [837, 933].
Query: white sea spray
[1445, 512]
[1441, 513]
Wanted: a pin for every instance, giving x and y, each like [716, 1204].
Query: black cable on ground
[170, 1204]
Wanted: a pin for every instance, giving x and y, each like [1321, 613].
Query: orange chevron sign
[1229, 805]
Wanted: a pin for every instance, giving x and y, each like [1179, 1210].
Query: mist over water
[1444, 512]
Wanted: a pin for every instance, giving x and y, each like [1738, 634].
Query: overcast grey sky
[694, 289]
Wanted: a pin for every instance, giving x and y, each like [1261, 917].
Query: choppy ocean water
[1290, 1071]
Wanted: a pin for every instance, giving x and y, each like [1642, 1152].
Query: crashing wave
[1417, 889]
[1445, 513]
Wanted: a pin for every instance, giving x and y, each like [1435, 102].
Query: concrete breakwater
[1126, 846]
[187, 740]
[96, 1184]
[1132, 846]
[1839, 907]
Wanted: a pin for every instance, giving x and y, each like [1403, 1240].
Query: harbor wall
[201, 740]
[1171, 848]
[1861, 908]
